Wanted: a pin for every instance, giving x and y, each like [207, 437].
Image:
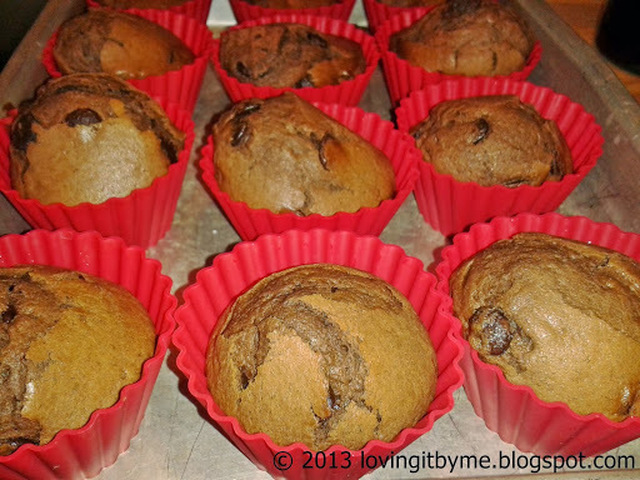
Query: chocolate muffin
[154, 4]
[286, 155]
[560, 316]
[69, 342]
[292, 4]
[323, 355]
[109, 41]
[493, 140]
[466, 37]
[283, 55]
[88, 138]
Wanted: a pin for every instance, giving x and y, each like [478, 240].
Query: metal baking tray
[176, 440]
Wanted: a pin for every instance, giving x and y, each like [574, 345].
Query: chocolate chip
[492, 328]
[483, 131]
[246, 109]
[240, 134]
[9, 314]
[320, 146]
[317, 40]
[243, 70]
[169, 149]
[22, 133]
[82, 116]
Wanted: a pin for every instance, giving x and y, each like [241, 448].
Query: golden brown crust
[467, 37]
[88, 138]
[493, 140]
[68, 343]
[342, 355]
[109, 41]
[285, 155]
[283, 55]
[560, 316]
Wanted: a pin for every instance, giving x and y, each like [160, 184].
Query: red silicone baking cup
[377, 13]
[179, 86]
[83, 452]
[402, 77]
[142, 218]
[244, 11]
[347, 93]
[514, 411]
[397, 146]
[450, 206]
[232, 273]
[197, 9]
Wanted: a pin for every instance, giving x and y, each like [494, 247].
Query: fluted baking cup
[377, 12]
[141, 218]
[197, 9]
[514, 411]
[244, 11]
[233, 273]
[450, 206]
[348, 92]
[178, 86]
[398, 147]
[83, 452]
[402, 77]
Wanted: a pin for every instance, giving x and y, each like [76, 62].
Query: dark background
[16, 17]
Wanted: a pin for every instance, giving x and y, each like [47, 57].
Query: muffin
[69, 342]
[466, 37]
[291, 55]
[493, 140]
[89, 138]
[335, 348]
[129, 46]
[285, 155]
[558, 315]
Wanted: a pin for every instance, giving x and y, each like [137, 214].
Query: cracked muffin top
[560, 316]
[285, 155]
[69, 342]
[284, 55]
[409, 3]
[493, 140]
[109, 41]
[88, 138]
[466, 37]
[324, 355]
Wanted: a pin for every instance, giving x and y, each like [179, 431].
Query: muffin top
[109, 41]
[466, 37]
[493, 140]
[88, 138]
[560, 316]
[286, 155]
[284, 55]
[291, 4]
[69, 342]
[155, 4]
[324, 355]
